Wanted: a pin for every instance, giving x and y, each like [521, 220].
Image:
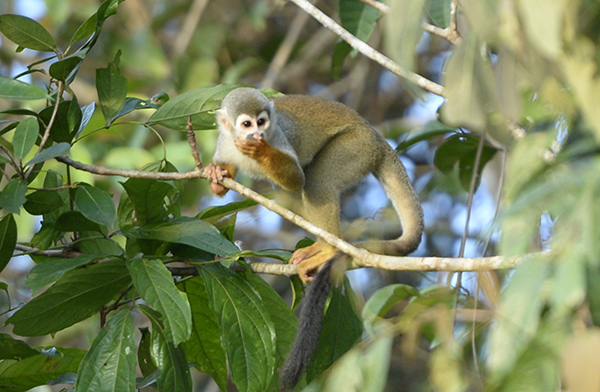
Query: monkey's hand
[215, 174]
[255, 147]
[280, 167]
[311, 258]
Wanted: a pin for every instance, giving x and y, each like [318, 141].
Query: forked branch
[367, 50]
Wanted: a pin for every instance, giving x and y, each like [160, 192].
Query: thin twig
[61, 89]
[12, 160]
[285, 49]
[192, 141]
[449, 34]
[379, 6]
[183, 39]
[367, 50]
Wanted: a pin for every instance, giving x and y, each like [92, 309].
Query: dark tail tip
[309, 329]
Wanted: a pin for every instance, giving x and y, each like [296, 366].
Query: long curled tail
[309, 328]
[392, 175]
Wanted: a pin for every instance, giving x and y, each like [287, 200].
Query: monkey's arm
[216, 172]
[279, 167]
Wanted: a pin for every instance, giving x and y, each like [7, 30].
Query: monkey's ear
[272, 112]
[222, 120]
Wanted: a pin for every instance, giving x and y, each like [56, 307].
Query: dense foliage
[111, 253]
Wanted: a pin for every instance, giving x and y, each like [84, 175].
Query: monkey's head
[246, 112]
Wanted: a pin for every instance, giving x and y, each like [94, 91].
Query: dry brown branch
[192, 142]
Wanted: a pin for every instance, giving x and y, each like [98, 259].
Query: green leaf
[96, 205]
[18, 91]
[11, 348]
[64, 69]
[403, 30]
[281, 314]
[174, 369]
[50, 270]
[112, 89]
[383, 300]
[430, 130]
[100, 246]
[42, 202]
[204, 346]
[470, 87]
[66, 122]
[537, 369]
[148, 198]
[375, 362]
[25, 136]
[188, 231]
[144, 356]
[593, 293]
[522, 172]
[214, 213]
[439, 12]
[8, 239]
[543, 25]
[247, 331]
[86, 115]
[460, 150]
[359, 19]
[132, 104]
[200, 103]
[12, 196]
[155, 284]
[111, 363]
[27, 33]
[107, 9]
[77, 295]
[363, 369]
[75, 221]
[579, 360]
[341, 51]
[86, 29]
[341, 329]
[49, 153]
[519, 316]
[39, 369]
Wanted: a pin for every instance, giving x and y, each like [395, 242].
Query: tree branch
[360, 257]
[450, 33]
[368, 51]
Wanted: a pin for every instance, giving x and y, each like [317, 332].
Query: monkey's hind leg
[338, 165]
[310, 258]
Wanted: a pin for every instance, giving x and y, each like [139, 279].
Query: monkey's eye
[247, 123]
[261, 122]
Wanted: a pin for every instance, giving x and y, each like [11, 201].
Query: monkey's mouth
[251, 136]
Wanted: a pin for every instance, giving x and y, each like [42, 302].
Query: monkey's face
[246, 126]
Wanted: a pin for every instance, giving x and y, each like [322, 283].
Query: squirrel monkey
[313, 149]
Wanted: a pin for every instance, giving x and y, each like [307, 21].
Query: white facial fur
[246, 125]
